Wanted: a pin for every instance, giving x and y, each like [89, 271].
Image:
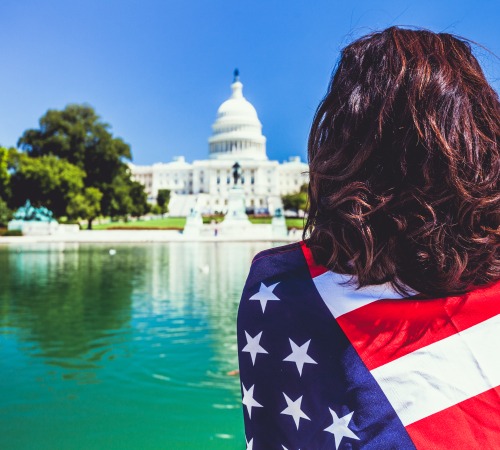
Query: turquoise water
[124, 351]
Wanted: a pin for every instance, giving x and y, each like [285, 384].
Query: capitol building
[204, 185]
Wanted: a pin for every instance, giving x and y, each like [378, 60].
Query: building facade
[204, 185]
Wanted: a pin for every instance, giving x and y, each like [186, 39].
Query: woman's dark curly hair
[404, 166]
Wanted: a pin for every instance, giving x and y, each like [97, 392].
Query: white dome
[237, 131]
[237, 105]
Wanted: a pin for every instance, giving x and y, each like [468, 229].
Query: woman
[381, 329]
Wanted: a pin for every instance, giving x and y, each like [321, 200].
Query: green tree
[116, 200]
[139, 199]
[163, 199]
[86, 205]
[5, 213]
[47, 181]
[296, 201]
[78, 135]
[4, 173]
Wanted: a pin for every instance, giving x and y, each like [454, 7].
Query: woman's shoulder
[279, 251]
[284, 261]
[280, 281]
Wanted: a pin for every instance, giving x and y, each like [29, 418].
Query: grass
[176, 223]
[295, 222]
[5, 232]
[154, 224]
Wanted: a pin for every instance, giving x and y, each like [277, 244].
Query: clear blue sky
[157, 70]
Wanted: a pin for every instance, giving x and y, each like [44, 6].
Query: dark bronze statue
[29, 213]
[236, 172]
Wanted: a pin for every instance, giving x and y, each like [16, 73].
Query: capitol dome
[237, 131]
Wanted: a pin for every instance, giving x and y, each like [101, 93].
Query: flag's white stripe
[444, 373]
[341, 297]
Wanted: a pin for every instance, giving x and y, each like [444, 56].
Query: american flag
[326, 366]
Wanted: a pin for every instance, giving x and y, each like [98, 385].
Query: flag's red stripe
[385, 330]
[473, 423]
[314, 269]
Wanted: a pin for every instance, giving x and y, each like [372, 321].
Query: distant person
[215, 227]
[381, 330]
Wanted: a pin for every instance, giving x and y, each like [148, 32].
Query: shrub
[12, 233]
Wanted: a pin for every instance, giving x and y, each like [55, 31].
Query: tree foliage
[47, 181]
[4, 174]
[297, 201]
[85, 205]
[163, 199]
[139, 199]
[5, 213]
[78, 136]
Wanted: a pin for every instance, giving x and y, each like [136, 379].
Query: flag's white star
[265, 294]
[253, 346]
[299, 355]
[284, 448]
[249, 401]
[293, 409]
[250, 444]
[340, 427]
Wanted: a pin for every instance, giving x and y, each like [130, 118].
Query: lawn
[295, 222]
[165, 223]
[179, 222]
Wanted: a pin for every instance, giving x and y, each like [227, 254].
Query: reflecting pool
[129, 349]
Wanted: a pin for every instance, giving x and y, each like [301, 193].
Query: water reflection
[69, 298]
[150, 329]
[66, 300]
[185, 301]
